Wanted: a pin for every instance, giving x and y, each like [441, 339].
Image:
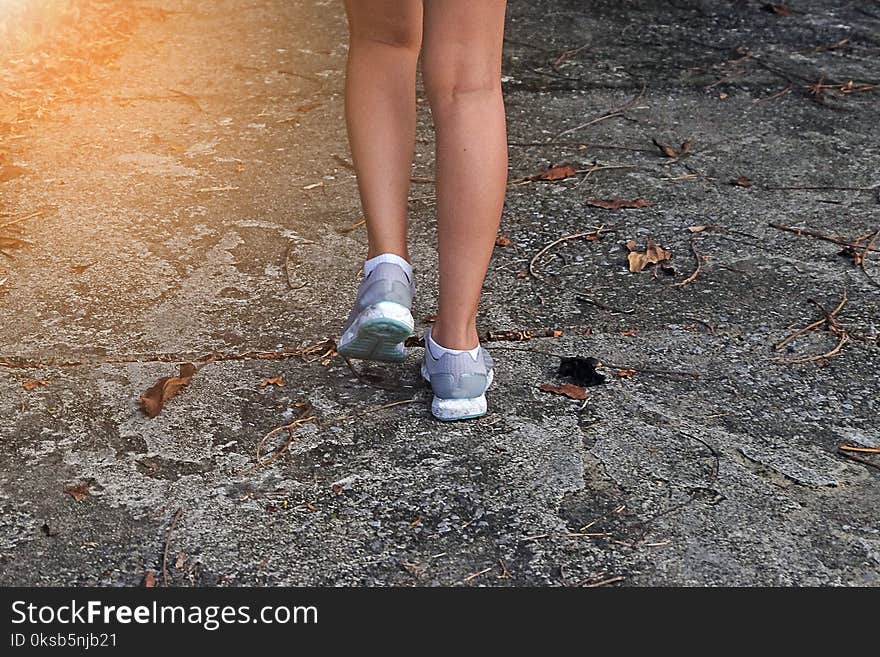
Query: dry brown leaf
[79, 492]
[150, 580]
[33, 384]
[694, 229]
[779, 10]
[742, 181]
[274, 381]
[617, 203]
[559, 172]
[557, 333]
[652, 255]
[502, 241]
[165, 388]
[668, 151]
[625, 374]
[568, 389]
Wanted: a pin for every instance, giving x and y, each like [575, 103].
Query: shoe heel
[378, 333]
[449, 410]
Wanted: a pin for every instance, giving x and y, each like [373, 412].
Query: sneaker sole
[452, 410]
[378, 334]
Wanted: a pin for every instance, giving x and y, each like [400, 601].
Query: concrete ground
[198, 202]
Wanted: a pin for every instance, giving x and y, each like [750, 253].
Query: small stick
[604, 582]
[859, 459]
[478, 573]
[813, 233]
[597, 231]
[608, 115]
[785, 91]
[865, 257]
[819, 188]
[690, 279]
[854, 448]
[602, 306]
[817, 323]
[26, 217]
[168, 531]
[808, 359]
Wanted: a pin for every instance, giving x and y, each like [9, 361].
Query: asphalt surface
[201, 204]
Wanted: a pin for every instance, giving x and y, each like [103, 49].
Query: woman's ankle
[454, 337]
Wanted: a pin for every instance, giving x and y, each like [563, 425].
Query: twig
[809, 359]
[690, 279]
[375, 409]
[596, 232]
[608, 115]
[817, 323]
[859, 459]
[864, 257]
[602, 306]
[168, 531]
[785, 91]
[26, 217]
[821, 236]
[854, 448]
[604, 582]
[807, 188]
[478, 573]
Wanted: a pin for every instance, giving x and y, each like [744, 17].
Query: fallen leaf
[150, 580]
[34, 384]
[165, 388]
[742, 181]
[274, 381]
[568, 389]
[668, 151]
[79, 492]
[694, 229]
[652, 254]
[581, 370]
[625, 374]
[617, 203]
[557, 333]
[779, 10]
[559, 172]
[631, 332]
[10, 171]
[502, 241]
[181, 560]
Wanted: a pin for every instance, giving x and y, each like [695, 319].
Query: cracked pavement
[217, 220]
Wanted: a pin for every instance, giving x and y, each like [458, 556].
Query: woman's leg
[380, 110]
[461, 67]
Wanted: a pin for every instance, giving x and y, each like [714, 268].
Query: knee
[451, 80]
[393, 35]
